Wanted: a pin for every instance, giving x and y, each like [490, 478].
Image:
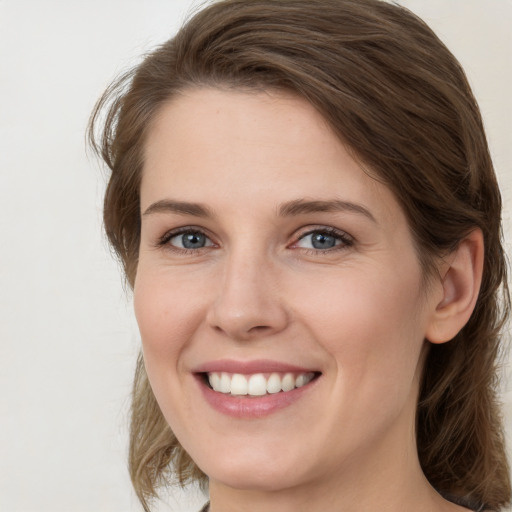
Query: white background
[68, 340]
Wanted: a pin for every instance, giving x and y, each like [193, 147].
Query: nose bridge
[247, 302]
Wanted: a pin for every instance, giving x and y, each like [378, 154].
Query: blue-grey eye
[190, 240]
[321, 240]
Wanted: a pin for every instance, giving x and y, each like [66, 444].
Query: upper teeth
[257, 384]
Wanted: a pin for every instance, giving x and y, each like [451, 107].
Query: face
[278, 293]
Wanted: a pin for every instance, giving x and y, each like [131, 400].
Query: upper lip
[250, 367]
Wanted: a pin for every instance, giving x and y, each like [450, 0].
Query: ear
[461, 276]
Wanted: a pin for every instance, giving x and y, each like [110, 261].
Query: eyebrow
[179, 207]
[303, 206]
[288, 209]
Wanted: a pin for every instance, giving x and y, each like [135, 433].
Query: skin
[357, 313]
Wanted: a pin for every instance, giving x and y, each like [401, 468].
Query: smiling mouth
[257, 384]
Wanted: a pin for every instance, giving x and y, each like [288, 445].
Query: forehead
[211, 145]
[226, 122]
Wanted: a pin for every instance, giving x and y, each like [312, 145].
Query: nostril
[251, 330]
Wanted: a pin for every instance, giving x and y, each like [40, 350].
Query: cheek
[167, 319]
[165, 315]
[371, 324]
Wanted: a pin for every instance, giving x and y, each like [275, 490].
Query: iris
[322, 241]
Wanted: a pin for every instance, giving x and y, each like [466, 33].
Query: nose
[248, 302]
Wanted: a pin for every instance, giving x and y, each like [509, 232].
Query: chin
[254, 475]
[256, 481]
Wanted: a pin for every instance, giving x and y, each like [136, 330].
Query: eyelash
[163, 242]
[345, 239]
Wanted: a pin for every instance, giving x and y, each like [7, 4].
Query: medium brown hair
[401, 102]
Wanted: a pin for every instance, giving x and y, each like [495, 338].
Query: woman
[304, 204]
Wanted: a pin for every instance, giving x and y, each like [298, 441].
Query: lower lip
[252, 406]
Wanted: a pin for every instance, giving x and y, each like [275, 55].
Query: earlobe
[461, 279]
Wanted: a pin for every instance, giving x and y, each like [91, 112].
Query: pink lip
[245, 407]
[249, 367]
[252, 407]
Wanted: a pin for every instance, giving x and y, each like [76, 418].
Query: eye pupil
[193, 240]
[322, 241]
